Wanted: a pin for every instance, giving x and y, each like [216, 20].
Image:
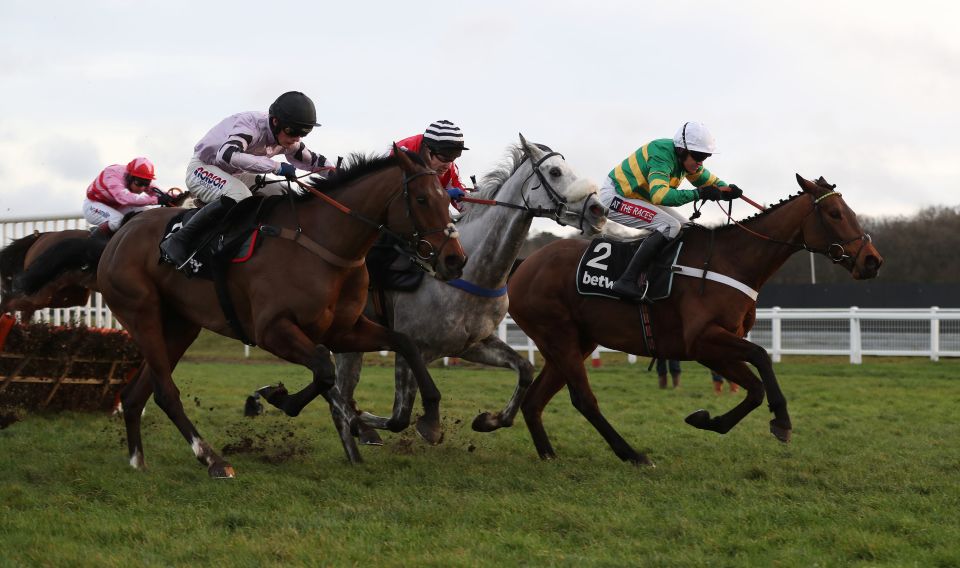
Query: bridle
[836, 252]
[425, 253]
[559, 209]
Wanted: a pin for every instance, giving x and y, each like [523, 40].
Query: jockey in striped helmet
[439, 146]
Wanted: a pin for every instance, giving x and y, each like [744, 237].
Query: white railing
[854, 332]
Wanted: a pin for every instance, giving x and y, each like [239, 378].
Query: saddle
[605, 260]
[233, 240]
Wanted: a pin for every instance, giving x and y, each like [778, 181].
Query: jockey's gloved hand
[456, 194]
[710, 193]
[286, 170]
[163, 198]
[732, 192]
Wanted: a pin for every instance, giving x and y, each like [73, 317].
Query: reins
[414, 242]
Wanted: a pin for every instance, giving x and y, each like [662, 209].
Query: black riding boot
[626, 286]
[180, 246]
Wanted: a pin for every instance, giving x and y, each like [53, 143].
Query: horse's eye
[422, 200]
[555, 172]
[835, 215]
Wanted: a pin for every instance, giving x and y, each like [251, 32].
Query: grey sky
[862, 93]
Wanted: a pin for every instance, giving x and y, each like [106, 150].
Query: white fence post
[856, 345]
[934, 334]
[775, 341]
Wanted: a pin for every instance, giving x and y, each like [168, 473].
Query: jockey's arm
[703, 177]
[660, 191]
[233, 153]
[114, 184]
[304, 159]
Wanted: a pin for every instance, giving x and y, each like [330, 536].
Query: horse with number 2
[710, 308]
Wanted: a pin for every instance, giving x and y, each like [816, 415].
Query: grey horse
[461, 320]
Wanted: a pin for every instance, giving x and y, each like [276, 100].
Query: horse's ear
[404, 161]
[530, 149]
[805, 184]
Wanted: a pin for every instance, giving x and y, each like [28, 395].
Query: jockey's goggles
[446, 159]
[698, 156]
[140, 182]
[296, 131]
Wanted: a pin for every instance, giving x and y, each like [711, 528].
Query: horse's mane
[11, 259]
[357, 166]
[753, 217]
[491, 183]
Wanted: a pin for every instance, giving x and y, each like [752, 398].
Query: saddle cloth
[605, 260]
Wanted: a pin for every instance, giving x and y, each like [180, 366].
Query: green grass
[872, 477]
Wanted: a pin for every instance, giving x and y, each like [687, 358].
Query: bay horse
[460, 318]
[31, 280]
[701, 320]
[66, 289]
[299, 297]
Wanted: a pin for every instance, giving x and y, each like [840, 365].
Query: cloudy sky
[863, 93]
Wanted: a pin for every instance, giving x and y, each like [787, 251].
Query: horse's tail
[70, 254]
[11, 261]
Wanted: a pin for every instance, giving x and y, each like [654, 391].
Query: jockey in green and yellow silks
[642, 190]
[654, 172]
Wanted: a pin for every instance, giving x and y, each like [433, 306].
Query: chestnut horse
[299, 297]
[31, 281]
[702, 320]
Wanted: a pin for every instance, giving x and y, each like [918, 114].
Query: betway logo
[601, 280]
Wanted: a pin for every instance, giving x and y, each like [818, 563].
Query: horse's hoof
[275, 395]
[699, 419]
[485, 422]
[780, 433]
[370, 437]
[429, 432]
[221, 470]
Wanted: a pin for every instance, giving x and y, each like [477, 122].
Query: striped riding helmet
[444, 136]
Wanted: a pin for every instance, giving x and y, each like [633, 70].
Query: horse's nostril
[597, 210]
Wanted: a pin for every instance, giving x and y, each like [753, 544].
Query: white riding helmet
[694, 137]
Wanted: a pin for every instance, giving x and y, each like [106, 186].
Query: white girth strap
[716, 277]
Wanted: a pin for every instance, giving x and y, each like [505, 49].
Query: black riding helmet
[294, 110]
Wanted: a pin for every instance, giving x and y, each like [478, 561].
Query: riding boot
[662, 381]
[179, 247]
[626, 286]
